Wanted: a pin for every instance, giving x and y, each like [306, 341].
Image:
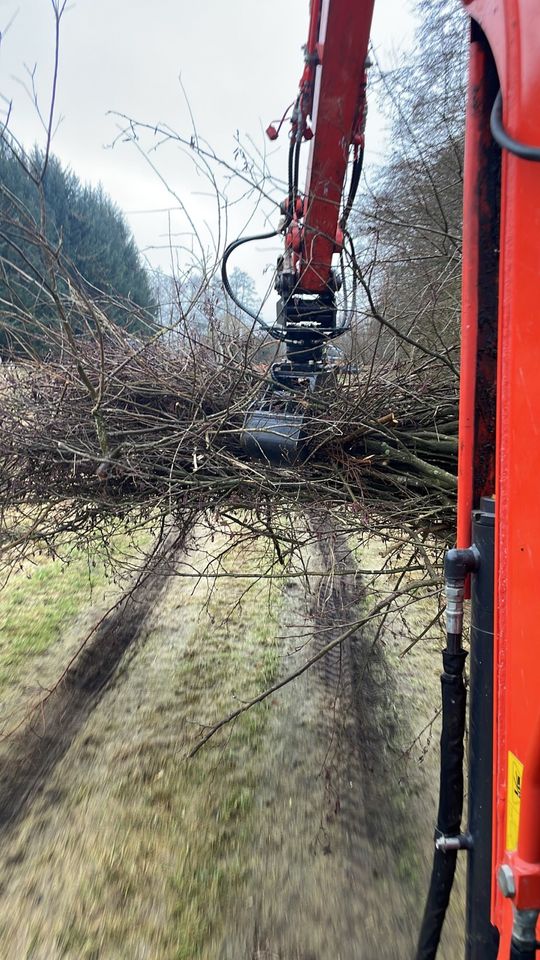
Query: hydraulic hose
[450, 802]
[525, 151]
[277, 334]
[353, 188]
[294, 150]
[448, 839]
[524, 944]
[523, 951]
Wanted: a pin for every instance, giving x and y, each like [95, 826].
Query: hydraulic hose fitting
[524, 944]
[446, 844]
[457, 565]
[455, 592]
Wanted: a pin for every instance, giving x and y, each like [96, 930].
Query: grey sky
[240, 62]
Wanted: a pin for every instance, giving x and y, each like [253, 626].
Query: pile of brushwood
[122, 429]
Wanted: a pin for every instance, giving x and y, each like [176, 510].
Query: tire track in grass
[313, 844]
[31, 754]
[332, 873]
[129, 850]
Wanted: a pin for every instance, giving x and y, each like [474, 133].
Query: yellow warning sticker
[513, 802]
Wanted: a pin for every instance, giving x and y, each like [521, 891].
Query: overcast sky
[239, 62]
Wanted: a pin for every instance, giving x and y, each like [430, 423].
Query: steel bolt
[506, 880]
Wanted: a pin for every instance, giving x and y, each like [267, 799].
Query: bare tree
[103, 428]
[408, 225]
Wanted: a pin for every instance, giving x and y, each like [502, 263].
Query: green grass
[240, 667]
[153, 856]
[39, 602]
[36, 606]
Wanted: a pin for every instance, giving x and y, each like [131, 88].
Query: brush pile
[139, 431]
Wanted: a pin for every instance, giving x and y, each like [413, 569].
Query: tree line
[56, 218]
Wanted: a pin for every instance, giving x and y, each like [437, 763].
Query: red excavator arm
[330, 111]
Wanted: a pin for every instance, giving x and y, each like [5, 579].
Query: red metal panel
[478, 371]
[469, 308]
[345, 45]
[513, 30]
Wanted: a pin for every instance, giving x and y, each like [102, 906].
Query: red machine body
[501, 353]
[499, 434]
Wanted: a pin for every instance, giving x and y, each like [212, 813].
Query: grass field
[145, 850]
[260, 846]
[41, 600]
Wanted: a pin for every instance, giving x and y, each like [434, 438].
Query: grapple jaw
[275, 436]
[275, 425]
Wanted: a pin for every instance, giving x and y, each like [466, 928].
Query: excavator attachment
[273, 431]
[275, 426]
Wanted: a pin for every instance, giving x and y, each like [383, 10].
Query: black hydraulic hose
[523, 951]
[353, 188]
[523, 150]
[273, 331]
[296, 172]
[450, 797]
[290, 183]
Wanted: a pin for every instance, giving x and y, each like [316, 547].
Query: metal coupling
[458, 564]
[463, 841]
[455, 592]
[524, 927]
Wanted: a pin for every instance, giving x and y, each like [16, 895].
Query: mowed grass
[187, 826]
[148, 851]
[40, 602]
